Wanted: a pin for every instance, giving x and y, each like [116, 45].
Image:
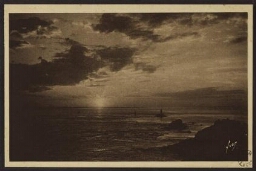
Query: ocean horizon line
[164, 109]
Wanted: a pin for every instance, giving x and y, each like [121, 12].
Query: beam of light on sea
[99, 103]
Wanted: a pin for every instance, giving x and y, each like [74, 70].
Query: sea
[102, 134]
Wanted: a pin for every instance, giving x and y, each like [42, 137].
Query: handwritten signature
[231, 146]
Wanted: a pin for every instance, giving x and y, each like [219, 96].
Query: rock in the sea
[226, 140]
[177, 125]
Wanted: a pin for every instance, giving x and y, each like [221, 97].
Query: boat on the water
[160, 115]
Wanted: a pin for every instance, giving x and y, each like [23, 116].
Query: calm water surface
[90, 134]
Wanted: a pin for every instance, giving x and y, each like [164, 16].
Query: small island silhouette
[225, 140]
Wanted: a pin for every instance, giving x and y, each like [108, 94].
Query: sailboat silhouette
[160, 115]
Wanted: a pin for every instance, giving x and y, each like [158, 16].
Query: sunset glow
[99, 102]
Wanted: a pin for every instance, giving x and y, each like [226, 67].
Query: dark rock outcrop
[177, 125]
[226, 140]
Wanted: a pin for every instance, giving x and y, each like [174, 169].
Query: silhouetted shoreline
[225, 140]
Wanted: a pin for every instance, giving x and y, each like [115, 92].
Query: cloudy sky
[187, 60]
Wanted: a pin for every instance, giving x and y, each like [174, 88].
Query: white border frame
[127, 9]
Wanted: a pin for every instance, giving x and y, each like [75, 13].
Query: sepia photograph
[109, 84]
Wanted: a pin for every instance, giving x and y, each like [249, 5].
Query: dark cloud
[228, 15]
[144, 34]
[98, 78]
[15, 35]
[149, 68]
[69, 42]
[99, 75]
[101, 80]
[205, 19]
[34, 89]
[140, 25]
[47, 32]
[68, 67]
[20, 28]
[116, 57]
[112, 22]
[16, 40]
[124, 24]
[209, 98]
[143, 25]
[177, 36]
[239, 39]
[42, 47]
[95, 85]
[18, 44]
[157, 19]
[59, 55]
[27, 25]
[145, 67]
